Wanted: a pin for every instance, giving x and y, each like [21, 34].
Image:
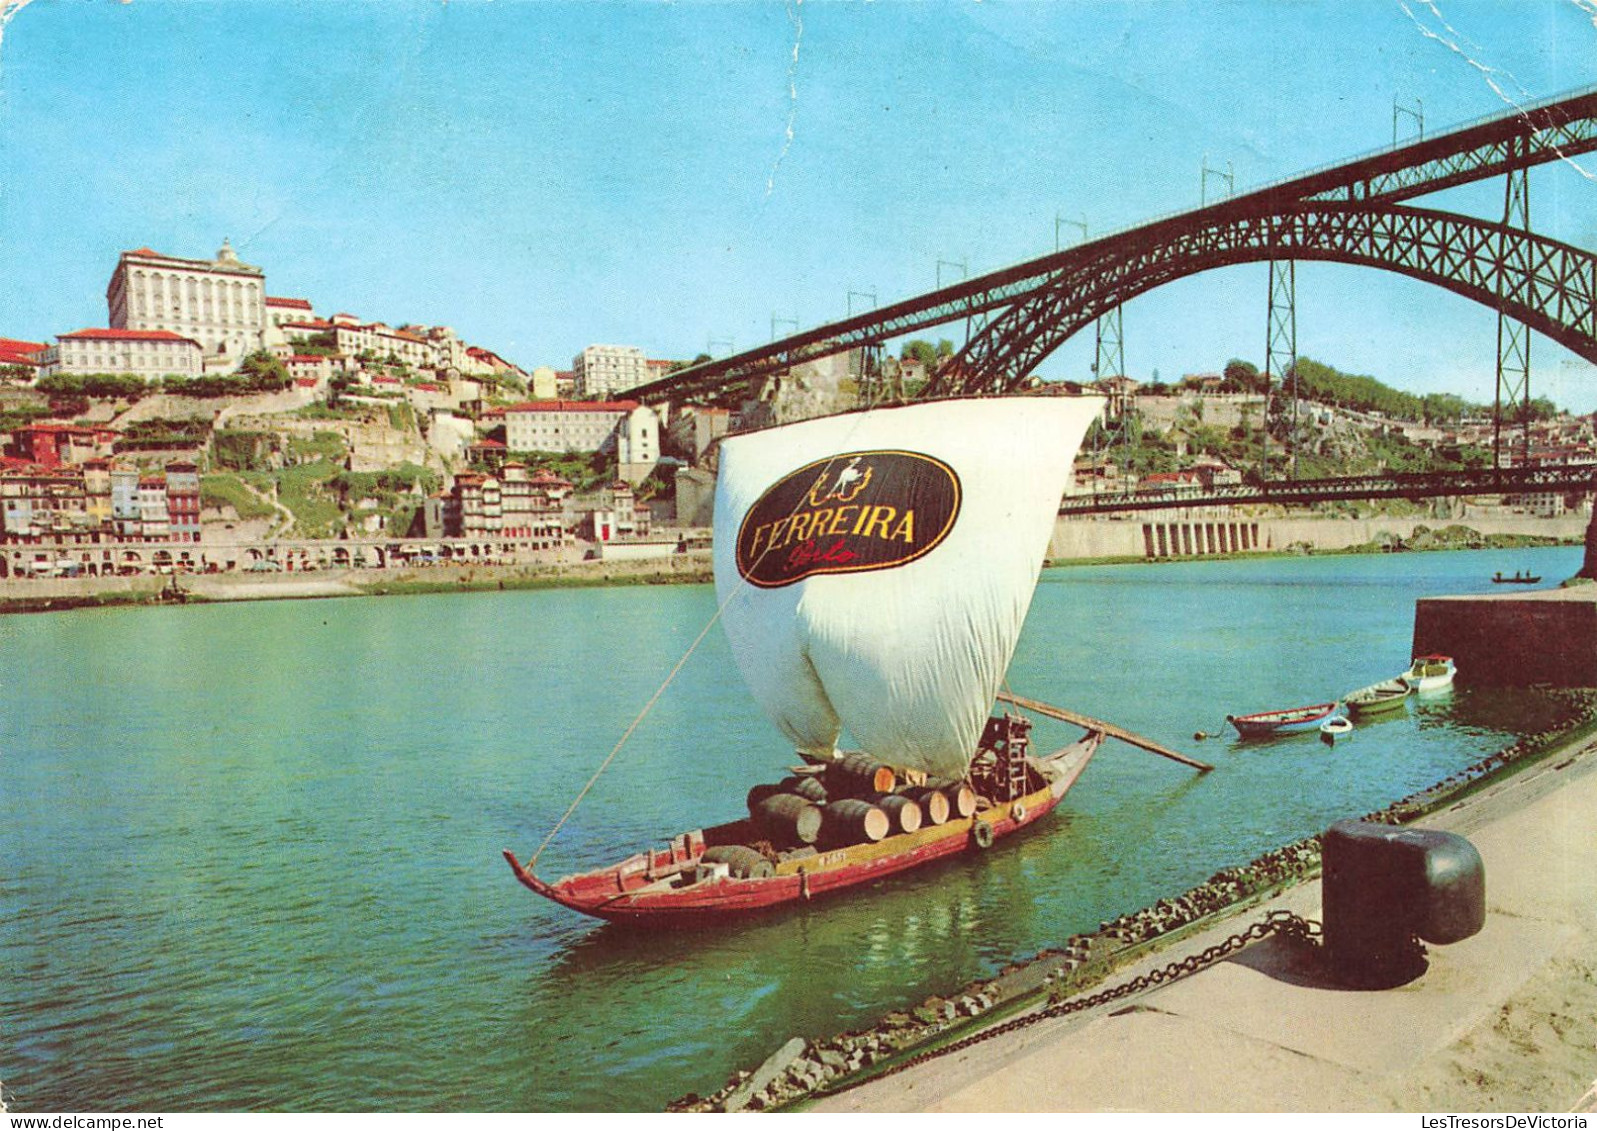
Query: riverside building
[629, 429]
[150, 354]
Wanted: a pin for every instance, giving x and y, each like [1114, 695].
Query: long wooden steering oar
[1109, 729]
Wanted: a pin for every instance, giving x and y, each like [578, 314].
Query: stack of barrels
[856, 800]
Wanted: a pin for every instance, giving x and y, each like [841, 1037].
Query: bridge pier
[1588, 567]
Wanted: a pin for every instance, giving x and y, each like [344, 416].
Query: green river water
[249, 853]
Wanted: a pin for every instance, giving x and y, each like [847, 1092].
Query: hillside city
[211, 426]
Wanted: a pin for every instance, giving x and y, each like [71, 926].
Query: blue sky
[544, 176]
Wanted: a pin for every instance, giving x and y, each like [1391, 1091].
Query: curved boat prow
[525, 875]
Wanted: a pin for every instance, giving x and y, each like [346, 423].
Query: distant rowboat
[1267, 723]
[1517, 579]
[1388, 695]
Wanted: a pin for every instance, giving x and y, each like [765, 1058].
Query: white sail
[875, 568]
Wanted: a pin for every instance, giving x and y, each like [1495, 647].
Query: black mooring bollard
[1383, 889]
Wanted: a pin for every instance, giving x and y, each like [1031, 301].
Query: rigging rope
[655, 698]
[622, 741]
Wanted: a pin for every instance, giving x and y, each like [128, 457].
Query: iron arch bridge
[1547, 285]
[1351, 212]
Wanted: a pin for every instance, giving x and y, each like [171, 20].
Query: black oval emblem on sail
[847, 514]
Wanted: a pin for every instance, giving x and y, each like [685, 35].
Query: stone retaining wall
[1165, 534]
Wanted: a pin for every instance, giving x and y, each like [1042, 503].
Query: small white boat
[1430, 673]
[1335, 725]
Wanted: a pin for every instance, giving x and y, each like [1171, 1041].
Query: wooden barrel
[961, 800]
[807, 786]
[861, 775]
[789, 819]
[904, 813]
[854, 822]
[741, 861]
[758, 794]
[933, 804]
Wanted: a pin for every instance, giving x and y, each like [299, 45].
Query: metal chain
[1284, 923]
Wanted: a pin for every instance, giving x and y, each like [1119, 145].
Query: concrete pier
[1503, 1021]
[1514, 639]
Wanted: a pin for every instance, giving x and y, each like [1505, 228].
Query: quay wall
[1503, 640]
[36, 593]
[1167, 535]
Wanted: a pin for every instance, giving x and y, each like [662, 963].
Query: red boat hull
[654, 887]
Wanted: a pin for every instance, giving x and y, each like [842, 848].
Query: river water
[249, 853]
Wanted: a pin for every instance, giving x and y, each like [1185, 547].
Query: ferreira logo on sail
[848, 514]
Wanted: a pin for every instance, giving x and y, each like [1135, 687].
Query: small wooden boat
[706, 875]
[1265, 724]
[1334, 727]
[1430, 673]
[1388, 695]
[1519, 578]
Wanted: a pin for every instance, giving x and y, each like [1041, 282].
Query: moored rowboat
[1267, 723]
[1430, 673]
[1388, 695]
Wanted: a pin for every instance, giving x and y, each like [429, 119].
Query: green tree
[1242, 376]
[264, 369]
[921, 351]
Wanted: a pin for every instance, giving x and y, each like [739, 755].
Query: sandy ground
[1505, 1021]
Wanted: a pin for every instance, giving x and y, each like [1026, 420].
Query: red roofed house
[305, 367]
[481, 361]
[283, 310]
[629, 429]
[51, 445]
[1189, 482]
[30, 355]
[486, 451]
[150, 354]
[512, 504]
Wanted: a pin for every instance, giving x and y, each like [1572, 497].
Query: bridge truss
[1302, 492]
[1350, 212]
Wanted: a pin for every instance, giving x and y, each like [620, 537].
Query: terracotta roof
[306, 382]
[296, 303]
[489, 444]
[149, 252]
[17, 345]
[312, 324]
[429, 387]
[305, 357]
[128, 335]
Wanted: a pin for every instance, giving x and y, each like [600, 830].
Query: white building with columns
[219, 303]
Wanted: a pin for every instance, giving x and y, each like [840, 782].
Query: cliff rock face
[815, 388]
